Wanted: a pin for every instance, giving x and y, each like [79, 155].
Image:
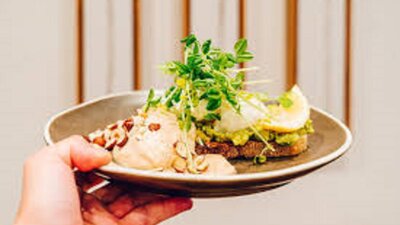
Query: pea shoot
[206, 74]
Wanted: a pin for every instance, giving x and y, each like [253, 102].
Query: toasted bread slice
[251, 149]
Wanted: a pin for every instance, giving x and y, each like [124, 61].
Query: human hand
[50, 195]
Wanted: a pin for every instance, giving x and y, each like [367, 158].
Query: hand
[50, 195]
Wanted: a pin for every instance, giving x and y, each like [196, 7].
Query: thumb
[75, 151]
[49, 188]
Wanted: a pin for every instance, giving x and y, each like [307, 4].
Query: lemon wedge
[290, 118]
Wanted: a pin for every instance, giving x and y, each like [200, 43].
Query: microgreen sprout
[206, 74]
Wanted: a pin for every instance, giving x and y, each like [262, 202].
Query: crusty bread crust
[251, 149]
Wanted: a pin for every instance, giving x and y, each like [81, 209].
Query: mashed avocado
[287, 139]
[240, 137]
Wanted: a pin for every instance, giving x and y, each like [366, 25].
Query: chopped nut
[118, 135]
[110, 144]
[179, 164]
[199, 159]
[180, 148]
[112, 126]
[86, 138]
[121, 143]
[154, 126]
[100, 141]
[128, 124]
[200, 163]
[95, 134]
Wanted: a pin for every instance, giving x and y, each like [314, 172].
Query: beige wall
[37, 79]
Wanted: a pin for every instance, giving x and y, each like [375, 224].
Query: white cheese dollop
[251, 111]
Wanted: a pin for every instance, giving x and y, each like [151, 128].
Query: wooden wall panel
[96, 58]
[266, 34]
[215, 19]
[79, 43]
[107, 47]
[37, 79]
[121, 46]
[291, 33]
[321, 40]
[161, 33]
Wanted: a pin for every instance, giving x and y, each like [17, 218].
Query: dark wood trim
[291, 42]
[79, 10]
[186, 17]
[242, 23]
[348, 64]
[242, 18]
[137, 48]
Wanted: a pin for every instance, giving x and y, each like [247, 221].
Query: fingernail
[100, 152]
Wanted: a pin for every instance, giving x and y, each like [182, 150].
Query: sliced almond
[181, 149]
[201, 163]
[199, 159]
[192, 169]
[179, 164]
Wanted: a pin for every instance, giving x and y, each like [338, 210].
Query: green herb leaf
[151, 101]
[176, 97]
[196, 47]
[240, 46]
[244, 57]
[213, 104]
[203, 83]
[190, 39]
[229, 64]
[206, 46]
[285, 100]
[203, 76]
[213, 93]
[212, 117]
[231, 57]
[181, 68]
[194, 60]
[237, 82]
[259, 159]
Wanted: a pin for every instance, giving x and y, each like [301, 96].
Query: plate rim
[267, 175]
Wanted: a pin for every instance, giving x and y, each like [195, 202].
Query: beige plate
[330, 141]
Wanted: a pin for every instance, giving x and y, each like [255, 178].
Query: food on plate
[207, 117]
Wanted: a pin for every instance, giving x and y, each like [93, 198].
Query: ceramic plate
[330, 141]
